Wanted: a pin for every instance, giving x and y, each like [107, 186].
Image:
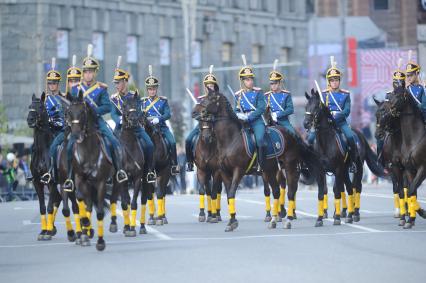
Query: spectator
[8, 169]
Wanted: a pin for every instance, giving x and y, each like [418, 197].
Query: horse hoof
[78, 241]
[202, 218]
[100, 245]
[279, 218]
[219, 218]
[272, 225]
[165, 221]
[268, 218]
[126, 228]
[408, 225]
[47, 237]
[396, 213]
[344, 214]
[214, 220]
[209, 219]
[287, 224]
[151, 221]
[294, 216]
[319, 223]
[349, 220]
[85, 241]
[232, 225]
[337, 222]
[130, 233]
[325, 214]
[401, 222]
[142, 230]
[40, 237]
[54, 231]
[113, 228]
[159, 222]
[357, 218]
[71, 236]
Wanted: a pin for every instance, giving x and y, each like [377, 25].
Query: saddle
[342, 143]
[275, 142]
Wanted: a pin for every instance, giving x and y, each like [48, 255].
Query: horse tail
[371, 159]
[313, 163]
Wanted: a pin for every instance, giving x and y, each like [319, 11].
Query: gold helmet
[151, 81]
[119, 73]
[74, 72]
[53, 75]
[398, 74]
[245, 71]
[210, 78]
[90, 63]
[412, 67]
[274, 75]
[333, 72]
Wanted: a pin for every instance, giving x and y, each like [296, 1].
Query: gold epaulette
[285, 91]
[163, 97]
[103, 85]
[344, 90]
[257, 88]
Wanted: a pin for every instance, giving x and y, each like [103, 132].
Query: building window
[292, 6]
[196, 54]
[62, 51]
[226, 52]
[381, 4]
[166, 71]
[284, 55]
[255, 54]
[132, 56]
[98, 53]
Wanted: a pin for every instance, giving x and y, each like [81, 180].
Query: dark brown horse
[91, 167]
[413, 147]
[235, 162]
[319, 117]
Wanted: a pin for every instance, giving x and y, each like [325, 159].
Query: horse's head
[77, 116]
[131, 117]
[381, 118]
[398, 100]
[37, 115]
[314, 110]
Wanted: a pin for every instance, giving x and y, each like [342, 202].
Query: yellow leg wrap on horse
[320, 207]
[43, 222]
[160, 207]
[357, 200]
[55, 211]
[291, 207]
[218, 201]
[202, 204]
[100, 228]
[50, 222]
[275, 207]
[126, 216]
[325, 201]
[231, 206]
[396, 200]
[337, 206]
[209, 203]
[113, 209]
[268, 203]
[151, 207]
[77, 223]
[351, 204]
[133, 217]
[402, 209]
[82, 209]
[282, 196]
[143, 213]
[68, 224]
[164, 205]
[214, 202]
[412, 206]
[343, 197]
[417, 205]
[406, 195]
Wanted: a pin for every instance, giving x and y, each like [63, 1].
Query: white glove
[274, 116]
[155, 121]
[242, 116]
[121, 120]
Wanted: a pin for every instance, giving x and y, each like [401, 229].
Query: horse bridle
[78, 121]
[128, 112]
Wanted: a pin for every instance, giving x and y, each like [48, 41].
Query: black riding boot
[151, 176]
[175, 167]
[189, 158]
[261, 157]
[117, 160]
[353, 156]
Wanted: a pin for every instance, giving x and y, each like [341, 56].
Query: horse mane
[229, 110]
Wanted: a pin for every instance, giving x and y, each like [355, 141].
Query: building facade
[146, 32]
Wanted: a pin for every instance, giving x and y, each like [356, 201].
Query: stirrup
[190, 167]
[121, 180]
[151, 177]
[352, 167]
[69, 185]
[46, 178]
[175, 169]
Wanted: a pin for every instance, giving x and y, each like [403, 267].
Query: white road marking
[29, 222]
[227, 217]
[23, 208]
[357, 226]
[151, 230]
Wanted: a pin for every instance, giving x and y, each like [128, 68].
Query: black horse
[227, 130]
[38, 120]
[319, 117]
[413, 146]
[91, 167]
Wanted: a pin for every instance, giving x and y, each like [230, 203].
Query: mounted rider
[73, 75]
[55, 104]
[96, 96]
[209, 83]
[414, 88]
[249, 106]
[398, 80]
[121, 80]
[157, 110]
[338, 102]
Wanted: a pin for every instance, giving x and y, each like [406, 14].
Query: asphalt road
[375, 250]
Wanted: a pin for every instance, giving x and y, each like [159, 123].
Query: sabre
[319, 92]
[192, 96]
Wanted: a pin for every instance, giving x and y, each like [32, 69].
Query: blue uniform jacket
[252, 102]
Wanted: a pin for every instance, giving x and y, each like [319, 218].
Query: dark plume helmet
[210, 78]
[53, 75]
[90, 63]
[151, 81]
